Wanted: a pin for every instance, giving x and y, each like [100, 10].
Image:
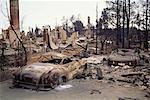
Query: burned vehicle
[124, 57]
[48, 73]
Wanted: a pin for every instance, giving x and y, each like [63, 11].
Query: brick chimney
[14, 13]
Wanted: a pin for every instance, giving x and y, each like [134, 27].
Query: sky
[50, 12]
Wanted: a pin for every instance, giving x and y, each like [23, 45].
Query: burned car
[48, 73]
[123, 57]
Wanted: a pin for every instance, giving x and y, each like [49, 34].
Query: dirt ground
[81, 90]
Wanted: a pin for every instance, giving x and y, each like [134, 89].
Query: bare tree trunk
[117, 35]
[96, 38]
[128, 24]
[102, 45]
[146, 31]
[149, 15]
[96, 44]
[123, 36]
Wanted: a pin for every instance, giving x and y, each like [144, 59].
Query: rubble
[127, 76]
[47, 58]
[127, 98]
[7, 73]
[94, 64]
[148, 94]
[139, 74]
[95, 92]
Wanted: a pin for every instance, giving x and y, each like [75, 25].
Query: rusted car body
[123, 57]
[48, 73]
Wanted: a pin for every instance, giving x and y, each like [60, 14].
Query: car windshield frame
[60, 61]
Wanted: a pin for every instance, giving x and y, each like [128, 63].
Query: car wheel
[55, 80]
[63, 79]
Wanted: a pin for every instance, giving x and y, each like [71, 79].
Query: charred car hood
[35, 70]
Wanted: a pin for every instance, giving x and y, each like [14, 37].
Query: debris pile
[93, 70]
[128, 75]
[7, 73]
[95, 92]
[127, 98]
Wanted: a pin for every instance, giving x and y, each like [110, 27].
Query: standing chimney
[14, 13]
